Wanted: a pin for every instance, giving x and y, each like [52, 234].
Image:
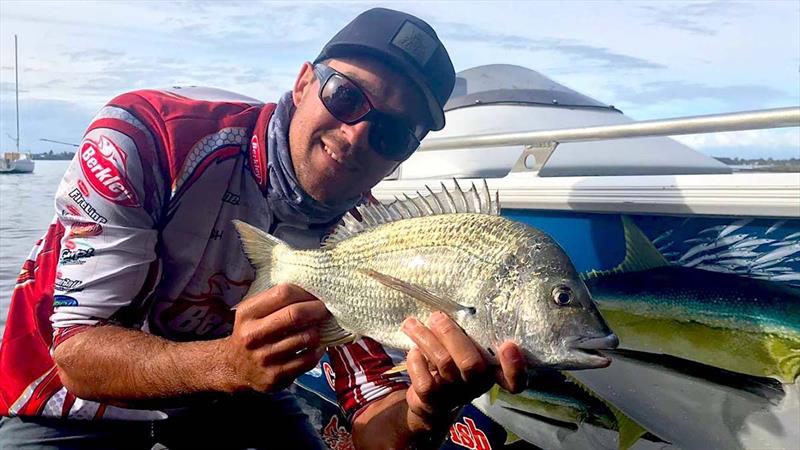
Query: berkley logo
[467, 435]
[259, 168]
[97, 164]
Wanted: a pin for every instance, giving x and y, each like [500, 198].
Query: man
[141, 267]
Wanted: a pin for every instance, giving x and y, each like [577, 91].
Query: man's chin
[323, 186]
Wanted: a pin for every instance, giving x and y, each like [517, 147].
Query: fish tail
[260, 247]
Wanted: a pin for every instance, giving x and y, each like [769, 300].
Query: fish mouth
[607, 342]
[587, 350]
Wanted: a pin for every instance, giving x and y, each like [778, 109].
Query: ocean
[26, 209]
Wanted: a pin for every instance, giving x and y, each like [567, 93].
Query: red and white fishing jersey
[142, 238]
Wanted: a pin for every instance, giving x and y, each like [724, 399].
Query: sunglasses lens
[392, 139]
[344, 100]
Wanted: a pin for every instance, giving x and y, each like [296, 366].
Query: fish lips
[587, 349]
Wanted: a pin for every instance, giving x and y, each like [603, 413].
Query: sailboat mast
[16, 86]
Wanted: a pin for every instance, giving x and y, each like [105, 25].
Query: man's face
[334, 161]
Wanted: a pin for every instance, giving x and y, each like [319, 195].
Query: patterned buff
[289, 202]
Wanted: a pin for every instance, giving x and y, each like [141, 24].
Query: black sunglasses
[390, 136]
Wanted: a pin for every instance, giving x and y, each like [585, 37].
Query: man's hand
[275, 339]
[448, 369]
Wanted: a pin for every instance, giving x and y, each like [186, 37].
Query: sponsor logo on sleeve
[203, 314]
[68, 285]
[330, 375]
[82, 187]
[259, 166]
[466, 434]
[99, 163]
[337, 437]
[64, 300]
[84, 229]
[75, 255]
[230, 197]
[76, 195]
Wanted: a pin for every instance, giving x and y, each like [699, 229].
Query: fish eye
[562, 295]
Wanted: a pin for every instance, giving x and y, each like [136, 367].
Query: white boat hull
[18, 166]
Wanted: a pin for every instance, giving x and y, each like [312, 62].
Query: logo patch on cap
[415, 42]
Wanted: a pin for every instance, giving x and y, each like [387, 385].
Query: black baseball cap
[402, 41]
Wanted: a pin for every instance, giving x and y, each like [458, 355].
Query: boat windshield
[506, 83]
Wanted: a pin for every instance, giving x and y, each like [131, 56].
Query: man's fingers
[287, 372]
[294, 317]
[273, 299]
[432, 349]
[461, 348]
[512, 373]
[307, 339]
[275, 327]
[423, 384]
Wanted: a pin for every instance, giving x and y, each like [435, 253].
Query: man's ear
[303, 82]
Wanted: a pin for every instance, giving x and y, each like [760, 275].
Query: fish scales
[498, 279]
[447, 254]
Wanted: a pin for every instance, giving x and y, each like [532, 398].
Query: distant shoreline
[51, 156]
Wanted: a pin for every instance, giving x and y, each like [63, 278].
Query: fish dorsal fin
[430, 203]
[640, 253]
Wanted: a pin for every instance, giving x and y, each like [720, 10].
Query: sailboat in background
[16, 162]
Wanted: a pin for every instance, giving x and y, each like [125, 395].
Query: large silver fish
[449, 251]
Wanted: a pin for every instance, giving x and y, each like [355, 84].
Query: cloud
[8, 88]
[267, 25]
[94, 55]
[696, 17]
[49, 119]
[577, 52]
[740, 96]
[768, 138]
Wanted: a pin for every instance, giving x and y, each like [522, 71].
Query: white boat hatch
[528, 101]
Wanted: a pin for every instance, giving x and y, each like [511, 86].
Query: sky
[651, 59]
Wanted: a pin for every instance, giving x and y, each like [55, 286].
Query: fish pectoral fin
[494, 392]
[511, 437]
[402, 367]
[421, 294]
[332, 334]
[628, 430]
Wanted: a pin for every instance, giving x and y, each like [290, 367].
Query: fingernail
[410, 323]
[437, 318]
[511, 354]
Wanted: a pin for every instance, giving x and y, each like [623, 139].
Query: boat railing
[539, 145]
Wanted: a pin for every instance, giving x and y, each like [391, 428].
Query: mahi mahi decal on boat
[767, 249]
[559, 397]
[741, 324]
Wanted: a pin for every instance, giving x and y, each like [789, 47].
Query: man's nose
[357, 135]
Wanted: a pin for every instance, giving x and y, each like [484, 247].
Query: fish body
[696, 406]
[558, 401]
[724, 320]
[498, 279]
